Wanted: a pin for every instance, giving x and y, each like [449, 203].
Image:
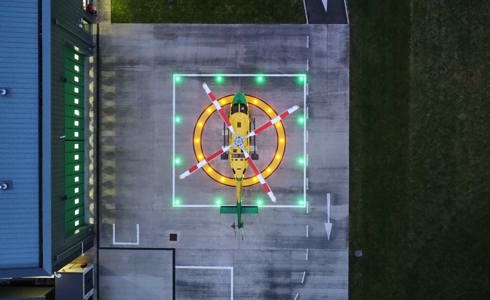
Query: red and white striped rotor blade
[218, 107]
[273, 121]
[205, 161]
[262, 181]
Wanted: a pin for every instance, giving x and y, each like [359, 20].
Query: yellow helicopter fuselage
[240, 120]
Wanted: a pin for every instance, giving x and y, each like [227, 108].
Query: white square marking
[305, 201]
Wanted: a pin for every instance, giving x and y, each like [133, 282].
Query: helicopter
[238, 150]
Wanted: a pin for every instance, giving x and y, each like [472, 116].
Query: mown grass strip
[208, 11]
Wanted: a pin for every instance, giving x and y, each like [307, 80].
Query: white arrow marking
[328, 207]
[328, 224]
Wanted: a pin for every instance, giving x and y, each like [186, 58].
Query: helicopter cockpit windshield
[238, 107]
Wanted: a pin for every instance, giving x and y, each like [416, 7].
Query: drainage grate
[173, 237]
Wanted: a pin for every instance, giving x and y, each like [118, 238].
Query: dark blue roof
[19, 135]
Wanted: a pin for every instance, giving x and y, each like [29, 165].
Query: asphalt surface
[336, 12]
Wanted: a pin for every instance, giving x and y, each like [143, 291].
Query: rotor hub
[239, 141]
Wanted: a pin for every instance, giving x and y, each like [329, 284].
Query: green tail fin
[232, 209]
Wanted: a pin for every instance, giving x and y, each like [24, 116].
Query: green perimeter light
[178, 160]
[300, 200]
[300, 161]
[260, 79]
[300, 120]
[259, 202]
[301, 78]
[178, 78]
[177, 201]
[177, 119]
[219, 79]
[218, 201]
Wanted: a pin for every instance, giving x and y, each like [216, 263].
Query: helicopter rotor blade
[273, 121]
[218, 107]
[262, 181]
[205, 161]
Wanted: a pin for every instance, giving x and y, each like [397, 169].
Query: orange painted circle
[271, 166]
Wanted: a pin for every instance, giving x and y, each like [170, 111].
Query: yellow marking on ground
[247, 181]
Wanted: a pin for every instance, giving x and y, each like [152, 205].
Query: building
[46, 135]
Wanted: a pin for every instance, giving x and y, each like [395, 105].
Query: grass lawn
[209, 11]
[420, 149]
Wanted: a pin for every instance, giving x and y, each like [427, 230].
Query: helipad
[285, 252]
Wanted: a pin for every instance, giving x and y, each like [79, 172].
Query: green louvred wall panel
[74, 202]
[72, 169]
[72, 180]
[73, 100]
[74, 158]
[73, 112]
[73, 146]
[74, 134]
[74, 140]
[73, 123]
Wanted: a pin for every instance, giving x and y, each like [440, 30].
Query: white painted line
[307, 253]
[213, 268]
[126, 243]
[328, 224]
[307, 184]
[304, 142]
[231, 283]
[307, 136]
[307, 89]
[308, 41]
[306, 13]
[346, 12]
[328, 207]
[205, 267]
[308, 206]
[214, 206]
[239, 75]
[296, 297]
[307, 230]
[303, 278]
[173, 141]
[307, 65]
[325, 4]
